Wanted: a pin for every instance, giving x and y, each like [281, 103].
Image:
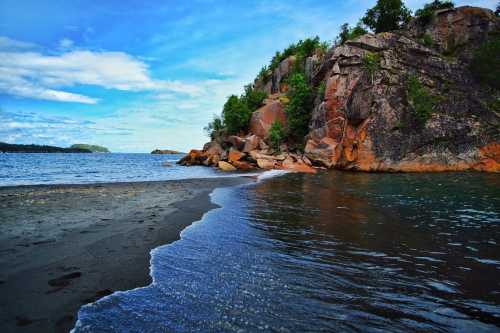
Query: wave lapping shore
[62, 246]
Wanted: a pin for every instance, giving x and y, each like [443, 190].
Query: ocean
[331, 252]
[34, 169]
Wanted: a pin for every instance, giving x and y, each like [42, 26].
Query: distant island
[166, 151]
[79, 148]
[92, 148]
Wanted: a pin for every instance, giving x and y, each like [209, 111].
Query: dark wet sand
[62, 246]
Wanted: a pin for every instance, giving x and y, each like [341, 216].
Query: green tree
[426, 13]
[236, 115]
[387, 15]
[300, 106]
[420, 99]
[486, 63]
[371, 64]
[276, 135]
[215, 128]
[348, 33]
[497, 11]
[253, 98]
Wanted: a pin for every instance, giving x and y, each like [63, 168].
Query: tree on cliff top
[348, 33]
[387, 15]
[426, 13]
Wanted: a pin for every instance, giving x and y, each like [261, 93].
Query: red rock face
[263, 119]
[459, 30]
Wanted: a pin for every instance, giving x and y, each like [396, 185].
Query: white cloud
[7, 43]
[65, 43]
[36, 75]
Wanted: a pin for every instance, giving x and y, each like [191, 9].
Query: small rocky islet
[400, 101]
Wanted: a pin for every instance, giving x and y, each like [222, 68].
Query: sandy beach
[62, 246]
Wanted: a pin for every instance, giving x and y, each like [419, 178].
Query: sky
[134, 76]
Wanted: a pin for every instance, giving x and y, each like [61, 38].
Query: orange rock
[235, 156]
[224, 166]
[266, 164]
[242, 165]
[263, 119]
[251, 143]
[297, 166]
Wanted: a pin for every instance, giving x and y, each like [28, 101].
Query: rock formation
[366, 119]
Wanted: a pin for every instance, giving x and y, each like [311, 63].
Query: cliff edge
[395, 101]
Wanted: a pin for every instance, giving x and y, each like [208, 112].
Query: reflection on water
[330, 252]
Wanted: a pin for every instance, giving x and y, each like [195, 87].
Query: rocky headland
[400, 101]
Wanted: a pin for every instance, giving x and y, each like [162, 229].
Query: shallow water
[343, 252]
[31, 169]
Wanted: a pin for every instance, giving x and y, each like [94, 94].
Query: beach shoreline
[63, 246]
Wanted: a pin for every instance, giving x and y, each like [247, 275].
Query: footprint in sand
[64, 281]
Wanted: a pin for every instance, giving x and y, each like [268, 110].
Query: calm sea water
[333, 252]
[30, 169]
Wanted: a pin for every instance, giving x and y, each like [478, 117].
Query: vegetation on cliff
[425, 14]
[485, 64]
[387, 15]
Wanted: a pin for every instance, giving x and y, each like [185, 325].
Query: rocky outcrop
[263, 118]
[254, 154]
[457, 31]
[277, 82]
[367, 122]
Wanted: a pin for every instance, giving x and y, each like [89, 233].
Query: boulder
[194, 157]
[224, 166]
[296, 165]
[235, 155]
[251, 143]
[235, 141]
[263, 119]
[243, 165]
[266, 164]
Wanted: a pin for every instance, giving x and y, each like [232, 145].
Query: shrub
[347, 33]
[321, 90]
[236, 115]
[264, 74]
[387, 15]
[427, 40]
[425, 15]
[371, 64]
[486, 63]
[276, 135]
[420, 99]
[300, 106]
[253, 98]
[303, 49]
[215, 128]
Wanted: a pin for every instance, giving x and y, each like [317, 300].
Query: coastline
[63, 246]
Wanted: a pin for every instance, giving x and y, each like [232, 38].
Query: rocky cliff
[394, 101]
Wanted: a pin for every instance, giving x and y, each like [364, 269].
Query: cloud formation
[25, 73]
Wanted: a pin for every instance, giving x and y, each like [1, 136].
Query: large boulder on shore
[263, 119]
[224, 166]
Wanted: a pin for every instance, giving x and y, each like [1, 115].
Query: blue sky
[139, 75]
